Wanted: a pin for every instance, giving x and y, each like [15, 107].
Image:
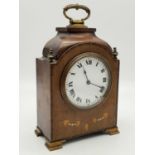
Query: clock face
[87, 81]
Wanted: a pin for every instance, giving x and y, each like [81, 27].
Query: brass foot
[38, 132]
[54, 145]
[111, 131]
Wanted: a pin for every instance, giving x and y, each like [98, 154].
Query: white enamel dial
[87, 81]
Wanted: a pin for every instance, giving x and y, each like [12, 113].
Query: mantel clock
[77, 84]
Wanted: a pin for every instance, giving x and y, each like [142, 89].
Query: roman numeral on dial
[88, 62]
[104, 79]
[96, 97]
[103, 70]
[72, 92]
[102, 89]
[78, 99]
[79, 65]
[70, 84]
[72, 73]
[87, 101]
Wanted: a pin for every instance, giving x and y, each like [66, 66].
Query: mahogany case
[56, 119]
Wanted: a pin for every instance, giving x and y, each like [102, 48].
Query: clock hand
[85, 73]
[95, 85]
[101, 87]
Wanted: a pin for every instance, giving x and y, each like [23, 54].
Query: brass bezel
[66, 70]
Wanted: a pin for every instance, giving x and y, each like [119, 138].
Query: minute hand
[96, 85]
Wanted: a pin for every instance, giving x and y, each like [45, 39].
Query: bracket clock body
[77, 85]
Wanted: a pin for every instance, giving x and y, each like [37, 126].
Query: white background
[145, 75]
[114, 21]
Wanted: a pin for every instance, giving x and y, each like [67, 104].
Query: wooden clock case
[57, 119]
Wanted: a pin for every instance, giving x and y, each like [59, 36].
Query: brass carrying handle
[77, 7]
